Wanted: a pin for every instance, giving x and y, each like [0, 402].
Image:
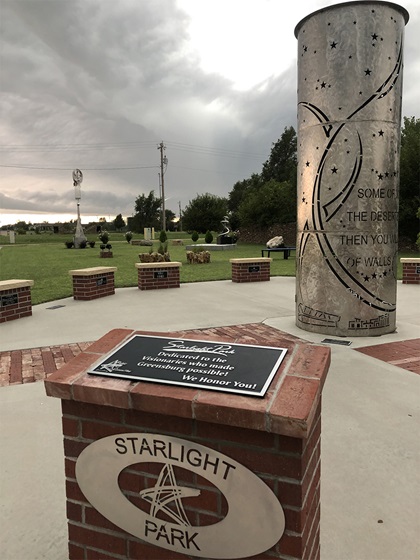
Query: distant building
[45, 228]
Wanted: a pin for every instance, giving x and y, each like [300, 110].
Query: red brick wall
[147, 279]
[87, 288]
[242, 272]
[23, 307]
[289, 466]
[410, 274]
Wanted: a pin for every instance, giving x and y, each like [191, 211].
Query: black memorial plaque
[232, 368]
[101, 281]
[254, 268]
[11, 299]
[158, 274]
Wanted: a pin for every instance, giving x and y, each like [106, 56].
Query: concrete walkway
[371, 417]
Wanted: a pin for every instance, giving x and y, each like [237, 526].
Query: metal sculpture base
[79, 237]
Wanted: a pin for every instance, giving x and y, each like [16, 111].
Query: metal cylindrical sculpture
[349, 121]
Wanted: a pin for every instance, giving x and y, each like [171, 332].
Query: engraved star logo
[166, 496]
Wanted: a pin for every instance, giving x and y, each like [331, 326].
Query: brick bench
[411, 271]
[158, 275]
[15, 299]
[92, 283]
[251, 269]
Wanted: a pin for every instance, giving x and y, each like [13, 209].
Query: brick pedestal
[276, 437]
[15, 299]
[92, 283]
[411, 271]
[251, 269]
[158, 276]
[106, 255]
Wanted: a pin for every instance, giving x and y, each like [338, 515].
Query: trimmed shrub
[104, 237]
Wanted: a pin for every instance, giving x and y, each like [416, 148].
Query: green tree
[205, 212]
[238, 194]
[269, 197]
[273, 203]
[282, 163]
[409, 178]
[147, 212]
[170, 226]
[119, 222]
[21, 226]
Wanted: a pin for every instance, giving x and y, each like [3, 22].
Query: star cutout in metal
[166, 492]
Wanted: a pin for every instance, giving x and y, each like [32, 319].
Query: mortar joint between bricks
[285, 479]
[314, 474]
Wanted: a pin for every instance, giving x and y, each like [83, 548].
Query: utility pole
[180, 216]
[160, 196]
[163, 162]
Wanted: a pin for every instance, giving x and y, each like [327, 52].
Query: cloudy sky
[99, 84]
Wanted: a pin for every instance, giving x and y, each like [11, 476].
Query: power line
[84, 168]
[79, 145]
[56, 148]
[193, 148]
[212, 150]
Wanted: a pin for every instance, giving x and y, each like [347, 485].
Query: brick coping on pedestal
[164, 264]
[36, 364]
[288, 407]
[248, 260]
[13, 284]
[92, 271]
[410, 260]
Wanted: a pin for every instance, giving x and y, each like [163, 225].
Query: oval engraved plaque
[254, 521]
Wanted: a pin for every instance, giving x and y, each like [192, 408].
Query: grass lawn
[46, 260]
[48, 263]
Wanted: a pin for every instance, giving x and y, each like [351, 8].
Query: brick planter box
[92, 283]
[411, 271]
[158, 275]
[15, 299]
[277, 438]
[251, 269]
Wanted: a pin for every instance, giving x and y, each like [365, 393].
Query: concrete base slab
[33, 507]
[371, 418]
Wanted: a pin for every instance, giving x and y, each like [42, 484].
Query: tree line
[269, 197]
